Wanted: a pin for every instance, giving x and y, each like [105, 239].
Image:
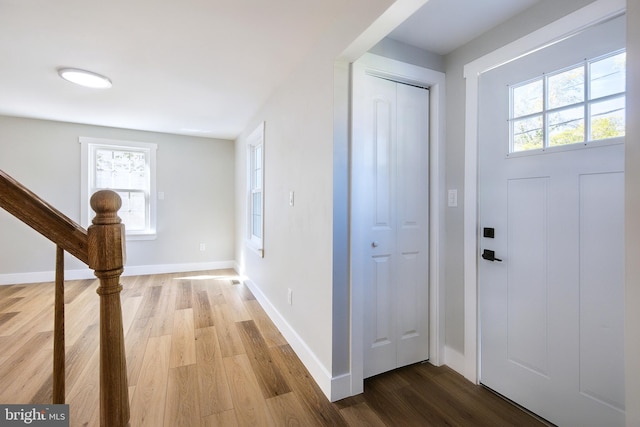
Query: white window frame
[255, 140]
[88, 148]
[586, 104]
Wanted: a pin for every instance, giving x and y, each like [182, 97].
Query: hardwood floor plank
[311, 397]
[162, 323]
[22, 374]
[148, 402]
[286, 410]
[215, 395]
[236, 305]
[271, 334]
[82, 312]
[202, 310]
[214, 289]
[23, 352]
[130, 307]
[182, 407]
[249, 404]
[76, 359]
[244, 292]
[183, 299]
[228, 336]
[5, 317]
[150, 301]
[135, 343]
[271, 381]
[183, 340]
[483, 403]
[221, 419]
[29, 320]
[6, 303]
[84, 396]
[11, 290]
[74, 289]
[391, 408]
[361, 415]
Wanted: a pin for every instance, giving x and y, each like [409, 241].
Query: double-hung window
[255, 190]
[128, 168]
[579, 104]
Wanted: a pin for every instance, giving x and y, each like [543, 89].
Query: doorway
[550, 280]
[367, 249]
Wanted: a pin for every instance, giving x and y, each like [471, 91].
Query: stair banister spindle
[58, 331]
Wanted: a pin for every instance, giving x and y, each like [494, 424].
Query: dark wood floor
[425, 395]
[202, 352]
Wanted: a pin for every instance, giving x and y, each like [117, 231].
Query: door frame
[592, 14]
[405, 73]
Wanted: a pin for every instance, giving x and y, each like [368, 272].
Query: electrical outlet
[203, 247]
[290, 296]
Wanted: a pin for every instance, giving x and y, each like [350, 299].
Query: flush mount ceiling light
[84, 78]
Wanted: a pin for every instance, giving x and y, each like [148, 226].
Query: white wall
[302, 119]
[195, 174]
[632, 217]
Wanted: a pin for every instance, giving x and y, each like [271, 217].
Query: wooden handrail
[42, 217]
[101, 247]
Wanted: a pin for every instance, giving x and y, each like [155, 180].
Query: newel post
[106, 257]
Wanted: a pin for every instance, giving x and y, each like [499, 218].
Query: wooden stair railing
[101, 247]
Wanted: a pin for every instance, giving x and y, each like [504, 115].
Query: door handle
[490, 255]
[374, 244]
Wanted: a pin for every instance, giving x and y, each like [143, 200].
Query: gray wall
[541, 14]
[196, 175]
[410, 54]
[632, 217]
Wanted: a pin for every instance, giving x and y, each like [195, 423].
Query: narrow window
[255, 189]
[128, 168]
[579, 104]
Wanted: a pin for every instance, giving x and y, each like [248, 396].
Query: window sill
[254, 248]
[140, 236]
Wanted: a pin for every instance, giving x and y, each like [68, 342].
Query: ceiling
[441, 26]
[200, 70]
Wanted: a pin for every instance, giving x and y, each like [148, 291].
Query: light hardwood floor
[202, 352]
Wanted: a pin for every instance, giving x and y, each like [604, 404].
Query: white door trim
[403, 72]
[598, 11]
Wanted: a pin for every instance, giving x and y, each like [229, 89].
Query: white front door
[551, 291]
[391, 204]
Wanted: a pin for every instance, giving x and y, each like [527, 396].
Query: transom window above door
[575, 105]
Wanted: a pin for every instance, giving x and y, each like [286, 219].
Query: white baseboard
[340, 387]
[318, 371]
[454, 359]
[134, 270]
[142, 270]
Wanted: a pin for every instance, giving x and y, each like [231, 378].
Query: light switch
[452, 200]
[291, 198]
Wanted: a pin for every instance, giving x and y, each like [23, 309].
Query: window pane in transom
[527, 99]
[566, 88]
[608, 76]
[566, 126]
[607, 119]
[528, 134]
